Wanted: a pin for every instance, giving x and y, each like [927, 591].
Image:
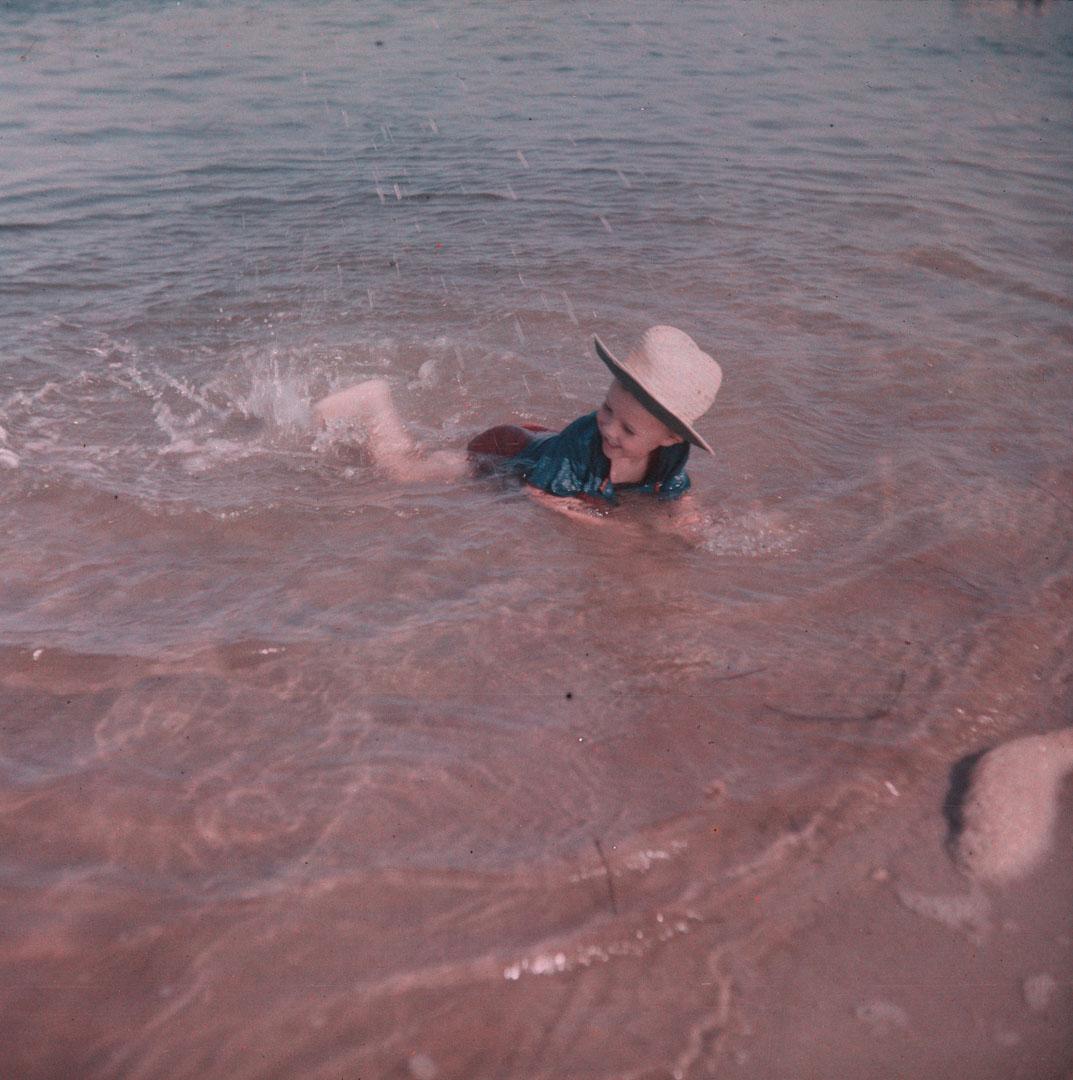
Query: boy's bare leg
[369, 404]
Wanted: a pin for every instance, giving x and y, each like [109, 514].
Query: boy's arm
[683, 518]
[577, 507]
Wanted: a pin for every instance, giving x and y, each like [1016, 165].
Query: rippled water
[304, 773]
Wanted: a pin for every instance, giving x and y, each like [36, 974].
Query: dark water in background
[305, 774]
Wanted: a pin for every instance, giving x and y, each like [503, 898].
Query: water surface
[304, 773]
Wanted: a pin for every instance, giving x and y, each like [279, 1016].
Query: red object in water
[505, 440]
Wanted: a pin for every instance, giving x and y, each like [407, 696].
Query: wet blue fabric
[573, 463]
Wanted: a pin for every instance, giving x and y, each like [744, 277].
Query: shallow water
[303, 772]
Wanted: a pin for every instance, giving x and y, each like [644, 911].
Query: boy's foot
[363, 402]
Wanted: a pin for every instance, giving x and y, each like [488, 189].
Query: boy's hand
[580, 508]
[682, 518]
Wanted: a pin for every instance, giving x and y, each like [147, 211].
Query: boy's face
[628, 430]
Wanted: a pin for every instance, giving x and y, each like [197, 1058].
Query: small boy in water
[637, 440]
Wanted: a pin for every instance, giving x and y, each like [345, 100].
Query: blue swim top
[573, 463]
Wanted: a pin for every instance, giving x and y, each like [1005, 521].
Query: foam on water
[8, 459]
[753, 533]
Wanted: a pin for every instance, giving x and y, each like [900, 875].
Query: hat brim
[645, 397]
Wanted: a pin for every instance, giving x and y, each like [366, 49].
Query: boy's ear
[672, 439]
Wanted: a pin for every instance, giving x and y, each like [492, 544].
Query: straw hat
[670, 377]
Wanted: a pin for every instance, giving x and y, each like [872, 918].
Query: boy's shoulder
[566, 463]
[575, 440]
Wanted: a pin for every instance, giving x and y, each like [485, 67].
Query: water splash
[754, 533]
[279, 395]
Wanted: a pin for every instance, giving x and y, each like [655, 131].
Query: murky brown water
[305, 774]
